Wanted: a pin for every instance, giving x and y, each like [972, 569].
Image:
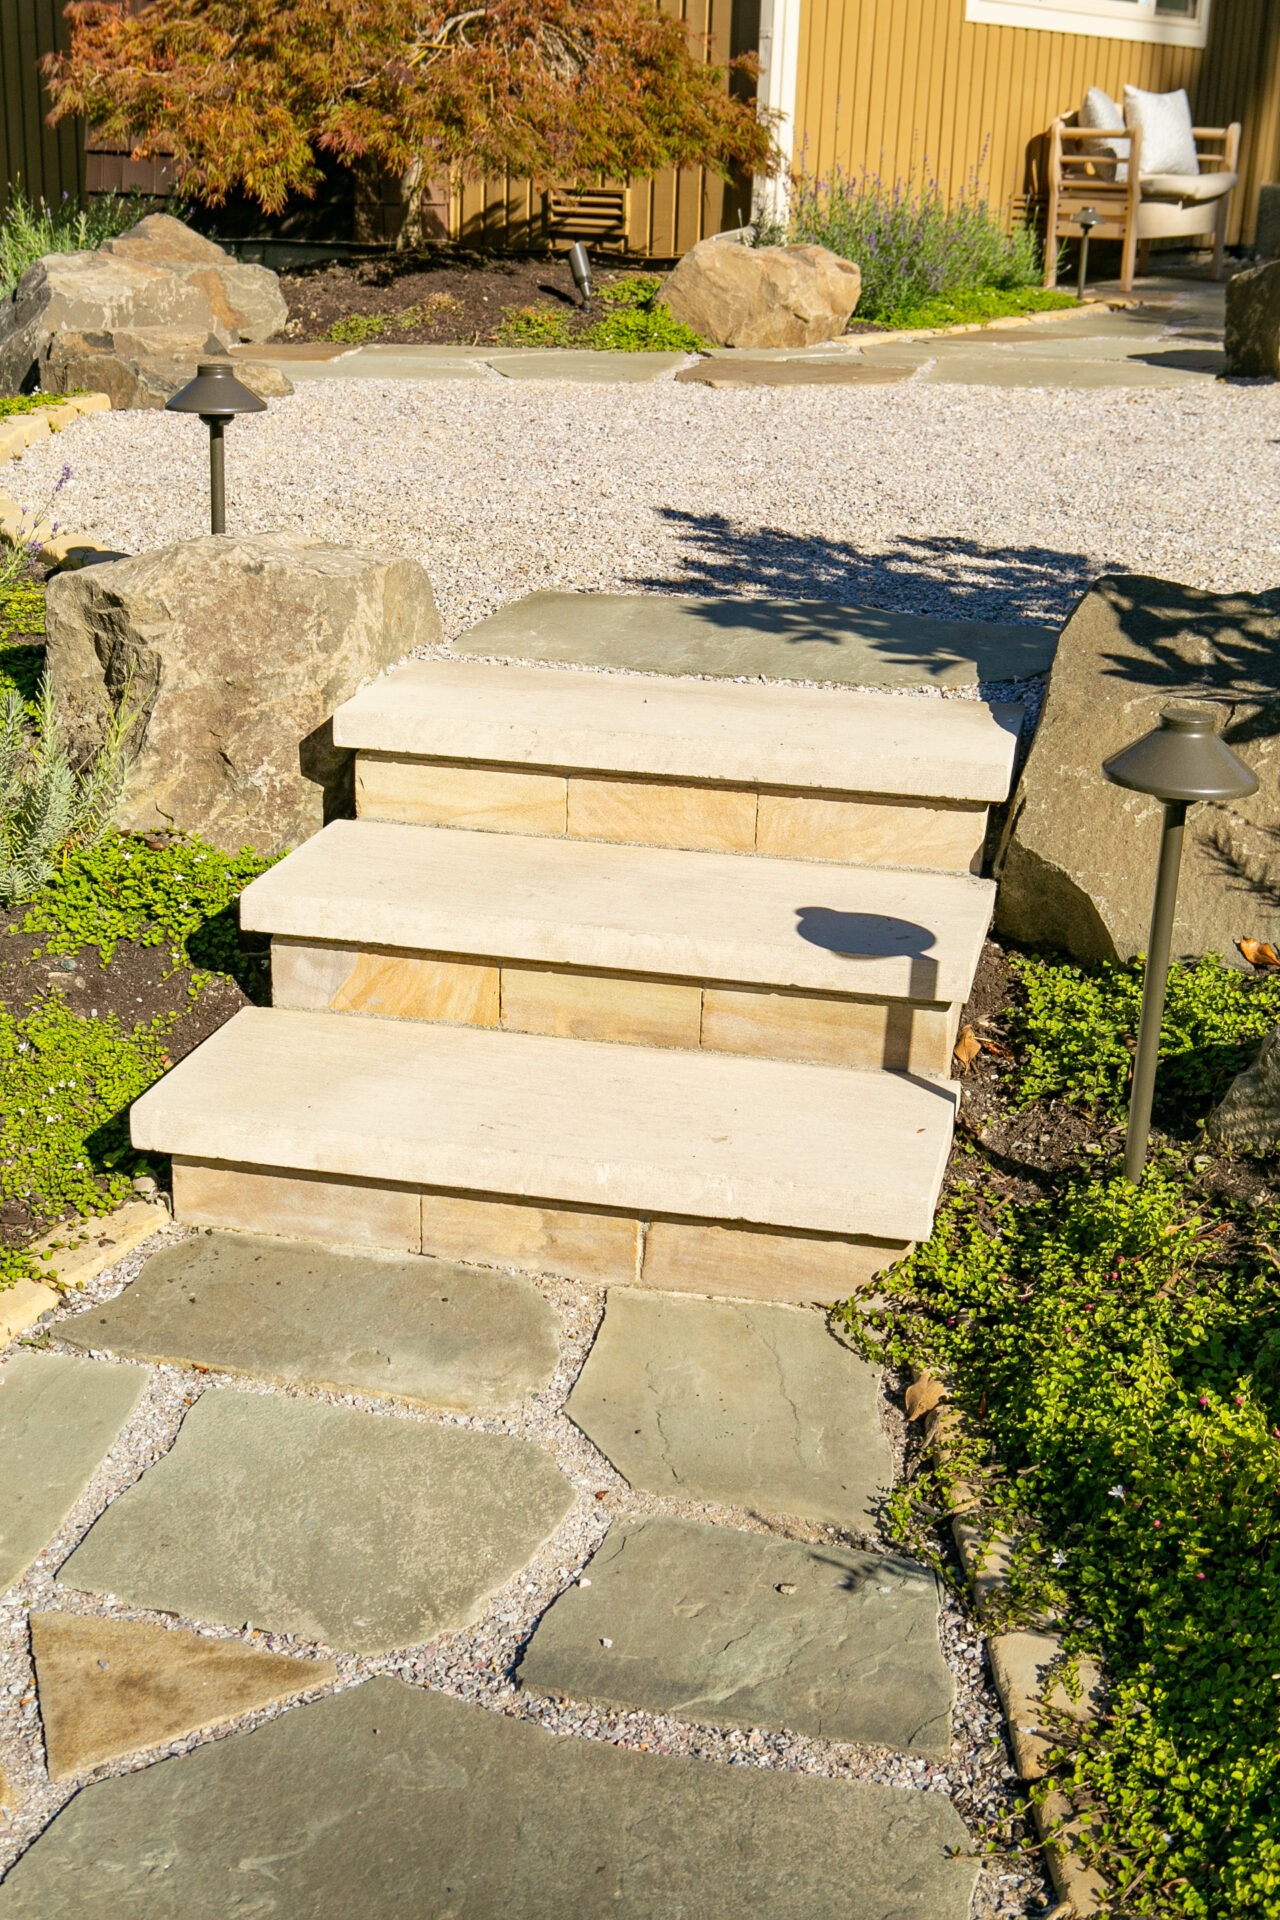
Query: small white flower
[1117, 1492]
[1059, 1559]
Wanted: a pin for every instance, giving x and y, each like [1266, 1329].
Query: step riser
[632, 1010]
[857, 829]
[600, 1247]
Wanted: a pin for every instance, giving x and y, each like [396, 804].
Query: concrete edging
[16, 435]
[1017, 1661]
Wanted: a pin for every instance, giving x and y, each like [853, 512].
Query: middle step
[848, 966]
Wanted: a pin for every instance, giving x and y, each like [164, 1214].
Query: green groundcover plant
[635, 321]
[1115, 1353]
[67, 1080]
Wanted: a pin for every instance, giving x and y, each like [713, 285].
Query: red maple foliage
[243, 94]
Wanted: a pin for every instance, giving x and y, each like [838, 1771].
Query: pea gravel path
[964, 502]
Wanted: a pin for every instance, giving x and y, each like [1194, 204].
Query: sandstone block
[1077, 867]
[739, 296]
[1248, 1115]
[92, 293]
[233, 651]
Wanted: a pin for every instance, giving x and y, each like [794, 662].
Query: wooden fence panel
[45, 163]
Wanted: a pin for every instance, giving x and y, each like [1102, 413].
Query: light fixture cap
[215, 394]
[1088, 217]
[1183, 759]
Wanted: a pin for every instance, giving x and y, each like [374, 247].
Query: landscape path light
[217, 396]
[1180, 762]
[580, 268]
[1087, 219]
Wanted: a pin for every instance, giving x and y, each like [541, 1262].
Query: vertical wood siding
[909, 86]
[44, 163]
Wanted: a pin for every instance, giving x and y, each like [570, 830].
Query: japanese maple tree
[243, 94]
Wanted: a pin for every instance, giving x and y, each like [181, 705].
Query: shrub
[28, 232]
[911, 242]
[48, 807]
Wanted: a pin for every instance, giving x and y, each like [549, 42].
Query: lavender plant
[915, 246]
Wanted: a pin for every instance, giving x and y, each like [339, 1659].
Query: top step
[817, 739]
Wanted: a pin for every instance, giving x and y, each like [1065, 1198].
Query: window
[1178, 23]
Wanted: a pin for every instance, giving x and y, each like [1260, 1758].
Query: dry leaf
[1259, 953]
[968, 1047]
[923, 1396]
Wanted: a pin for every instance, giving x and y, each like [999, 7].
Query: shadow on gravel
[947, 579]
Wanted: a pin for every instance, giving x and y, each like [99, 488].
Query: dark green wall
[45, 163]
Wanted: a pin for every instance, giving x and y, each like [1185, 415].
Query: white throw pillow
[1168, 144]
[1100, 110]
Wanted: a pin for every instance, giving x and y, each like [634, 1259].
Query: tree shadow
[1178, 640]
[946, 579]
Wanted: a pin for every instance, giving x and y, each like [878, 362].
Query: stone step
[861, 967]
[814, 773]
[695, 1172]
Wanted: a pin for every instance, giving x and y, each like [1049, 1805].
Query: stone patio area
[340, 1583]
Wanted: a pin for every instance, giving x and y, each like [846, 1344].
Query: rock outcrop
[736, 296]
[132, 318]
[233, 653]
[1252, 339]
[1077, 867]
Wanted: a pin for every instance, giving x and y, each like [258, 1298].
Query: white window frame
[1104, 19]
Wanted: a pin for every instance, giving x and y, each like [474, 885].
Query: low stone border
[1004, 323]
[72, 1262]
[23, 430]
[1019, 1661]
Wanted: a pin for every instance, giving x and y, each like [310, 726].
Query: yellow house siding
[903, 86]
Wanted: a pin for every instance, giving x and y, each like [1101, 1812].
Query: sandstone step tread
[880, 931]
[820, 739]
[712, 1136]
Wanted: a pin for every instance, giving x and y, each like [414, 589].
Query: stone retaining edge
[78, 1251]
[16, 435]
[1003, 323]
[1015, 1660]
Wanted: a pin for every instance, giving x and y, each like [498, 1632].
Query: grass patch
[1115, 1353]
[358, 329]
[20, 403]
[978, 304]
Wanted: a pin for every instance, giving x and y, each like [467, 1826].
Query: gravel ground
[965, 502]
[477, 1664]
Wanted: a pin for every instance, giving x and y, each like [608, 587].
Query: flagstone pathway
[364, 1584]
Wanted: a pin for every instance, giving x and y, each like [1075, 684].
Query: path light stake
[217, 396]
[1181, 762]
[1086, 220]
[580, 268]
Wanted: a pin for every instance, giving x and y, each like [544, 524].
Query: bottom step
[700, 1173]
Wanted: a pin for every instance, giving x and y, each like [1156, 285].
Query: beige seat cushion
[1187, 186]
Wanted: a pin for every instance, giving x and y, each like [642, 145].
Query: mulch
[454, 298]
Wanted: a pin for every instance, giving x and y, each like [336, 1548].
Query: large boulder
[1248, 1115]
[158, 279]
[1253, 323]
[246, 300]
[1077, 866]
[92, 293]
[233, 653]
[738, 296]
[145, 366]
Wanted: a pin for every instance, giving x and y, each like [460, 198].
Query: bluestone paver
[391, 1803]
[358, 1530]
[767, 639]
[750, 1406]
[420, 1330]
[737, 1629]
[58, 1418]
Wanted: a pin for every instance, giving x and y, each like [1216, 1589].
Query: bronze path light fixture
[1181, 762]
[217, 396]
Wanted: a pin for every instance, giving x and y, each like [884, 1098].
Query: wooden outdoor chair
[1136, 210]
